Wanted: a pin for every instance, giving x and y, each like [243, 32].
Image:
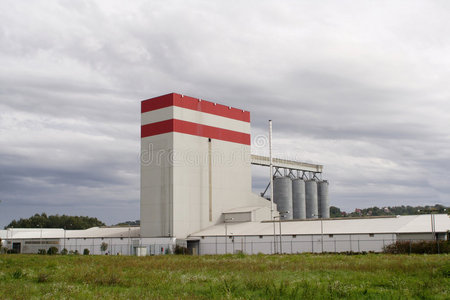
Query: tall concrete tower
[195, 164]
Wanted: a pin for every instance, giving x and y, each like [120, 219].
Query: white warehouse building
[323, 235]
[247, 236]
[196, 192]
[118, 240]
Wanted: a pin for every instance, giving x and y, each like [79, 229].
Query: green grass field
[306, 276]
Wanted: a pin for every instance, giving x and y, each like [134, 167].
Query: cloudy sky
[361, 87]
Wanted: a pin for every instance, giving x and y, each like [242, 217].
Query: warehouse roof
[54, 233]
[398, 224]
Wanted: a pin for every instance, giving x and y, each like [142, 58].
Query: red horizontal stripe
[174, 125]
[157, 128]
[194, 104]
[157, 103]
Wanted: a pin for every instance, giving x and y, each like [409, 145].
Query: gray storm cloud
[360, 87]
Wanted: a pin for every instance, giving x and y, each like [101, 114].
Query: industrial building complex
[196, 192]
[196, 166]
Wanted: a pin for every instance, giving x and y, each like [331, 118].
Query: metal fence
[292, 246]
[91, 247]
[120, 249]
[221, 245]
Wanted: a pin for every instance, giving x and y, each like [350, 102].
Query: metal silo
[298, 199]
[282, 191]
[324, 202]
[311, 199]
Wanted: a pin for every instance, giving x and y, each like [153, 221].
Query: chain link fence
[230, 245]
[317, 246]
[89, 246]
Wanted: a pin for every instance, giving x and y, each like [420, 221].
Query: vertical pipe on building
[274, 236]
[170, 225]
[226, 237]
[129, 240]
[271, 184]
[210, 179]
[64, 237]
[271, 169]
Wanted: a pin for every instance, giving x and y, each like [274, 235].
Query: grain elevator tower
[195, 164]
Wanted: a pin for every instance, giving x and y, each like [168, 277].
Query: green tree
[52, 251]
[104, 247]
[392, 210]
[56, 221]
[335, 212]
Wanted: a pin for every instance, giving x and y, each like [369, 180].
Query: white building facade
[116, 240]
[195, 164]
[323, 235]
[241, 235]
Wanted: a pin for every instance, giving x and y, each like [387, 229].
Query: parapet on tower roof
[187, 102]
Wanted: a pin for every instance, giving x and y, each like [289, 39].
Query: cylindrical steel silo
[282, 191]
[323, 200]
[311, 199]
[298, 199]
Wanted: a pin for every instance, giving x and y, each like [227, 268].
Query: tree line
[335, 212]
[56, 221]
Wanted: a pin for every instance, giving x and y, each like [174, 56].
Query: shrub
[240, 254]
[42, 251]
[180, 250]
[418, 247]
[103, 247]
[42, 277]
[52, 250]
[64, 251]
[76, 252]
[86, 251]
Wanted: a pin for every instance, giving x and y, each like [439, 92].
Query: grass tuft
[43, 277]
[17, 274]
